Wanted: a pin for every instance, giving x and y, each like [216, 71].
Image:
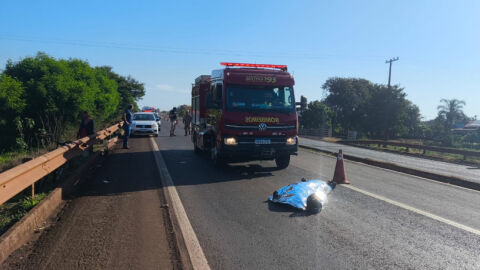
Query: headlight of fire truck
[291, 140]
[230, 141]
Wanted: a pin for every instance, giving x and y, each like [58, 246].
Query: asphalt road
[116, 221]
[471, 173]
[238, 229]
[120, 224]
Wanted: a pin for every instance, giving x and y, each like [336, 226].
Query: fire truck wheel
[282, 161]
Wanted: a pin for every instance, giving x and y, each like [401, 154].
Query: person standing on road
[187, 120]
[87, 126]
[127, 125]
[173, 121]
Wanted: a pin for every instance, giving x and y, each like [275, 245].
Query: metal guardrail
[465, 153]
[327, 132]
[17, 179]
[318, 132]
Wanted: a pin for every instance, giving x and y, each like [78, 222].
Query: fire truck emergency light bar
[282, 67]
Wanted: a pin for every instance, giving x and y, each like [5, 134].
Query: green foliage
[316, 115]
[181, 110]
[11, 105]
[375, 110]
[389, 114]
[29, 202]
[13, 212]
[347, 98]
[130, 90]
[11, 92]
[42, 98]
[451, 112]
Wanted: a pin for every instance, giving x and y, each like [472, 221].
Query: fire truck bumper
[246, 152]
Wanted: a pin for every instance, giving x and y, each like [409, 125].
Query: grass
[11, 159]
[17, 207]
[331, 139]
[12, 212]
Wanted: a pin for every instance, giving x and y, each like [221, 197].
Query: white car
[144, 123]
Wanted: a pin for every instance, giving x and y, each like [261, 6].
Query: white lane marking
[415, 210]
[197, 257]
[393, 171]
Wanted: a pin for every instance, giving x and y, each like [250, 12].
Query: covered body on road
[306, 195]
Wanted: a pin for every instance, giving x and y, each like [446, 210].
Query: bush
[41, 99]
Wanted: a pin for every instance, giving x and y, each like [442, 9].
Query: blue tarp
[297, 194]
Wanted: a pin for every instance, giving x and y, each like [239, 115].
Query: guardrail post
[33, 191]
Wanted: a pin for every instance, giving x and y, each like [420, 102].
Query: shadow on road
[285, 208]
[188, 168]
[135, 170]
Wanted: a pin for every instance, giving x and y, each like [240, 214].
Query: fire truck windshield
[262, 98]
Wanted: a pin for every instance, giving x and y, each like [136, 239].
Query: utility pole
[390, 69]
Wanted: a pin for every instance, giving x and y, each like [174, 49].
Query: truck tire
[282, 161]
[217, 161]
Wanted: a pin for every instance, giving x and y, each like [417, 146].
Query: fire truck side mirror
[302, 103]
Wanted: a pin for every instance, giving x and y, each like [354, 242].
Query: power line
[390, 68]
[178, 50]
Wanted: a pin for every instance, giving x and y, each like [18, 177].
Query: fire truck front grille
[256, 127]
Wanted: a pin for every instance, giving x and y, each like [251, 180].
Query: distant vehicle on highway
[145, 123]
[148, 109]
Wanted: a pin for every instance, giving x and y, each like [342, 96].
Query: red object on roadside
[339, 176]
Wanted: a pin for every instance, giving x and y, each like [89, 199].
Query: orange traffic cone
[339, 176]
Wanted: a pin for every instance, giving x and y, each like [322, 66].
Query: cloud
[169, 88]
[164, 87]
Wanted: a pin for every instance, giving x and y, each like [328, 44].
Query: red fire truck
[245, 112]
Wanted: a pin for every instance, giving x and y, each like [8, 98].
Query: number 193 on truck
[245, 112]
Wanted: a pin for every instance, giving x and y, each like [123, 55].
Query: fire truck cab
[245, 112]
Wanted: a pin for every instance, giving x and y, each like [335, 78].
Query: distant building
[469, 127]
[473, 125]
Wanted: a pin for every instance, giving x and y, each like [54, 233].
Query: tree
[373, 109]
[389, 114]
[316, 115]
[346, 98]
[12, 104]
[452, 112]
[55, 92]
[181, 109]
[130, 90]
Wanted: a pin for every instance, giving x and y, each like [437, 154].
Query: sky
[167, 44]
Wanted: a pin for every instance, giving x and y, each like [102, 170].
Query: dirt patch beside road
[118, 220]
